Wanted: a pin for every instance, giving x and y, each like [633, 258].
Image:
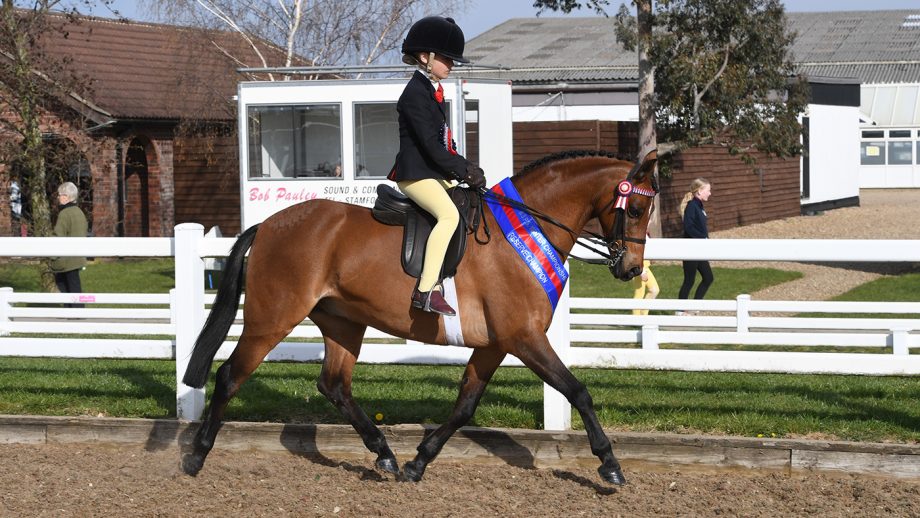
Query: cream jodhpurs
[431, 195]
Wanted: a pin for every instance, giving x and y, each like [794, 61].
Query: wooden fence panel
[742, 194]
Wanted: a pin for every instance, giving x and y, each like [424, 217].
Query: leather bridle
[615, 241]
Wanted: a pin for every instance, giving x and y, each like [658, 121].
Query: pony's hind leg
[231, 375]
[343, 344]
[479, 371]
[540, 357]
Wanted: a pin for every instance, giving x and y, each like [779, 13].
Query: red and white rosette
[624, 189]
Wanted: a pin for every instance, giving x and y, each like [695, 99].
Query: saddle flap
[394, 208]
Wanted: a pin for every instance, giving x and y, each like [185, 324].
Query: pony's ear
[647, 169]
[648, 164]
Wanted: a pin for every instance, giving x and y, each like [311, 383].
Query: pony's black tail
[222, 314]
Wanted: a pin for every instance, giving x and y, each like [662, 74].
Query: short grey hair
[70, 190]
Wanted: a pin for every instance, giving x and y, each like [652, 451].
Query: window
[899, 153]
[872, 153]
[889, 147]
[303, 141]
[376, 139]
[905, 105]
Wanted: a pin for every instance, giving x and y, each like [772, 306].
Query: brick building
[155, 137]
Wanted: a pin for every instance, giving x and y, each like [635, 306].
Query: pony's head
[625, 217]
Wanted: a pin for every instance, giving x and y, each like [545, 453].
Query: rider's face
[440, 65]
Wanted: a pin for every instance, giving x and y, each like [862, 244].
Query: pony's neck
[568, 194]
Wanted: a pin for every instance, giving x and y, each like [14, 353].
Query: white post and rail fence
[605, 334]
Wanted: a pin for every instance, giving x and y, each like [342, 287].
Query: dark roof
[873, 46]
[553, 50]
[155, 71]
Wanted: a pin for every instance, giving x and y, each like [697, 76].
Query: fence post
[899, 341]
[650, 338]
[5, 294]
[557, 411]
[188, 306]
[742, 312]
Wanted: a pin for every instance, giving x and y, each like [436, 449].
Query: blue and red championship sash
[525, 236]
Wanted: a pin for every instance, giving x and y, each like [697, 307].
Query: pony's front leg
[479, 371]
[343, 344]
[540, 357]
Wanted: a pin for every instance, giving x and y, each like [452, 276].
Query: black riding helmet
[435, 34]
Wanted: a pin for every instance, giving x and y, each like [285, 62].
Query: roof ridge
[80, 18]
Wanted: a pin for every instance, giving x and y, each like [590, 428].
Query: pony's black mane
[575, 153]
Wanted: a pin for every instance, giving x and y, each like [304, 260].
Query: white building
[337, 139]
[882, 50]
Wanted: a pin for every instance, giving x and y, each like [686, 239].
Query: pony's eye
[633, 212]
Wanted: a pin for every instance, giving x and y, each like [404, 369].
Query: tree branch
[698, 96]
[217, 12]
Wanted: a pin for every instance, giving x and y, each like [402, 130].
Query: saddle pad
[452, 324]
[525, 236]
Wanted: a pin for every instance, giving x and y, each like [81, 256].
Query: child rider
[428, 164]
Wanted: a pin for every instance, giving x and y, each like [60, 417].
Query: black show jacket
[421, 131]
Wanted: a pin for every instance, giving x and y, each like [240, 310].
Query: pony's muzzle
[624, 274]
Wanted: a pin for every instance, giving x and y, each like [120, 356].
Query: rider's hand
[475, 176]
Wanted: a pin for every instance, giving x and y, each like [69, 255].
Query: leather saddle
[394, 208]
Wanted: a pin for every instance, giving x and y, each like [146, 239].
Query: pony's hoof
[612, 475]
[192, 464]
[412, 472]
[388, 464]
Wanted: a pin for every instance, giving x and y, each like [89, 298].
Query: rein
[615, 243]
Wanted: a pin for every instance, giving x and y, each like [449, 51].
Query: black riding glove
[475, 176]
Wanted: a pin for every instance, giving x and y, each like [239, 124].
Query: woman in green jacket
[71, 222]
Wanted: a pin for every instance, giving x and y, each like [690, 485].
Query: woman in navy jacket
[428, 164]
[695, 226]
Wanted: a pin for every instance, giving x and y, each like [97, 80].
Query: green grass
[859, 408]
[591, 280]
[842, 407]
[100, 276]
[588, 280]
[900, 288]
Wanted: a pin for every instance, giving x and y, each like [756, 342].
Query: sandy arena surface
[80, 480]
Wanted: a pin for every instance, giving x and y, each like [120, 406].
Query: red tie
[439, 94]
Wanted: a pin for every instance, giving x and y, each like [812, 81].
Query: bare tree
[34, 83]
[315, 32]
